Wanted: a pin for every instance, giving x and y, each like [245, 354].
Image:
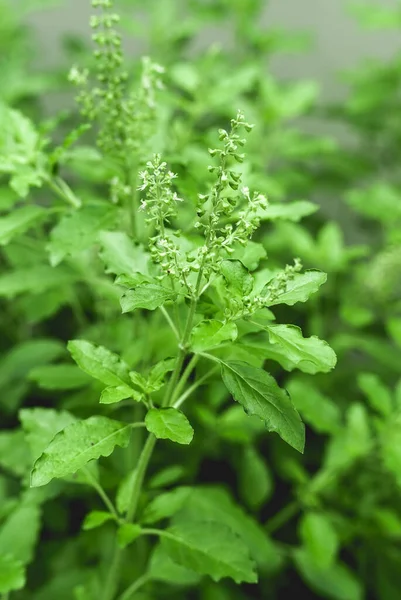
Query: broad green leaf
[212, 333]
[165, 505]
[111, 395]
[255, 480]
[352, 441]
[376, 392]
[310, 355]
[12, 574]
[148, 296]
[291, 211]
[300, 288]
[237, 276]
[59, 377]
[209, 548]
[96, 518]
[41, 425]
[34, 280]
[127, 533]
[99, 362]
[250, 255]
[336, 582]
[320, 538]
[78, 231]
[14, 452]
[167, 476]
[162, 568]
[76, 445]
[321, 413]
[120, 255]
[124, 492]
[18, 221]
[259, 394]
[20, 531]
[169, 424]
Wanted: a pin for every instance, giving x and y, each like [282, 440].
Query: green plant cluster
[200, 389]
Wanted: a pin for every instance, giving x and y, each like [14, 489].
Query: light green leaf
[352, 441]
[336, 582]
[120, 255]
[99, 362]
[12, 574]
[212, 333]
[310, 355]
[35, 280]
[127, 533]
[209, 548]
[290, 211]
[14, 452]
[111, 395]
[165, 505]
[300, 288]
[321, 413]
[78, 230]
[237, 276]
[391, 448]
[376, 392]
[18, 221]
[169, 424]
[162, 568]
[96, 518]
[124, 492]
[59, 377]
[320, 538]
[20, 531]
[148, 296]
[250, 255]
[255, 480]
[260, 395]
[79, 443]
[167, 476]
[41, 425]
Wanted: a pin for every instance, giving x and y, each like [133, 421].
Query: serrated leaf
[169, 424]
[78, 231]
[99, 362]
[210, 334]
[259, 394]
[111, 395]
[76, 445]
[18, 221]
[320, 538]
[209, 548]
[237, 276]
[12, 574]
[310, 355]
[59, 377]
[148, 296]
[300, 288]
[127, 533]
[290, 211]
[120, 255]
[20, 531]
[96, 518]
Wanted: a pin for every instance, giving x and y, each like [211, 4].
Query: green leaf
[41, 425]
[111, 395]
[352, 441]
[209, 548]
[165, 505]
[12, 574]
[291, 211]
[148, 296]
[169, 424]
[99, 362]
[321, 413]
[120, 255]
[127, 533]
[20, 532]
[34, 280]
[14, 452]
[78, 231]
[250, 255]
[255, 480]
[376, 392]
[19, 221]
[212, 333]
[237, 276]
[391, 448]
[59, 377]
[162, 568]
[336, 582]
[300, 288]
[76, 445]
[310, 355]
[124, 492]
[167, 476]
[96, 518]
[320, 538]
[259, 394]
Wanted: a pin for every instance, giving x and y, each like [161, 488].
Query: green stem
[184, 377]
[134, 587]
[140, 475]
[281, 518]
[193, 387]
[170, 322]
[97, 486]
